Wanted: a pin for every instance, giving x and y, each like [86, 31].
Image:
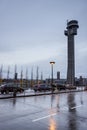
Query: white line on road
[64, 108]
[75, 107]
[44, 117]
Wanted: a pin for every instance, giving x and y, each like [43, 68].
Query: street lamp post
[52, 63]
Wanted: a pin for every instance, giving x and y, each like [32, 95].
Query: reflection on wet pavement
[48, 112]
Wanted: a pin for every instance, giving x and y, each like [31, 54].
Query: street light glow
[52, 62]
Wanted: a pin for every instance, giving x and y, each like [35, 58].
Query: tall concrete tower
[70, 31]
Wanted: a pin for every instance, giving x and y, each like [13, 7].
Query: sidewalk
[29, 93]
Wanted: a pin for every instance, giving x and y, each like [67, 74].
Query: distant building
[58, 75]
[81, 81]
[60, 81]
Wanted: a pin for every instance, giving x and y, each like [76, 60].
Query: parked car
[6, 88]
[61, 87]
[70, 87]
[1, 86]
[42, 87]
[58, 86]
[85, 88]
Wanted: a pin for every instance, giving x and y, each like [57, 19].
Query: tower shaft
[71, 61]
[70, 32]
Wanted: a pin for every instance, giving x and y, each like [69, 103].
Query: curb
[40, 94]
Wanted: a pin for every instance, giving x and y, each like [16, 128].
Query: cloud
[33, 32]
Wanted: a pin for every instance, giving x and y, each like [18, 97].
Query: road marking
[64, 108]
[44, 117]
[75, 107]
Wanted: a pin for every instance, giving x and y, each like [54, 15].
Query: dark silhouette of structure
[58, 75]
[70, 31]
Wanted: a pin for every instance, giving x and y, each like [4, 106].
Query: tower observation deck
[70, 32]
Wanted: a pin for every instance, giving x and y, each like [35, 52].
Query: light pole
[52, 63]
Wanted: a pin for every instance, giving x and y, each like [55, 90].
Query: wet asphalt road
[66, 111]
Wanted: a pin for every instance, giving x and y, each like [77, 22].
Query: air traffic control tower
[70, 31]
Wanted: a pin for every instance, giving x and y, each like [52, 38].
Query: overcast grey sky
[32, 34]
